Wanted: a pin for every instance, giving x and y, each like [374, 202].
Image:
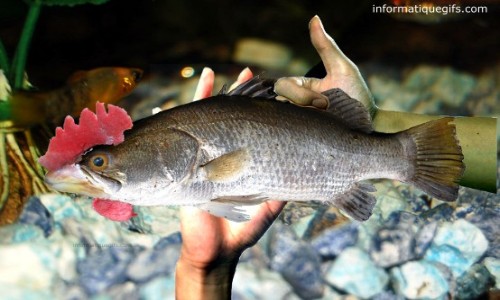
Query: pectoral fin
[227, 167]
[356, 202]
[229, 211]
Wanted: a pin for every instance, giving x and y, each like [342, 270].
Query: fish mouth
[75, 179]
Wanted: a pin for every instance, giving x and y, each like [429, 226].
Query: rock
[481, 209]
[159, 220]
[262, 53]
[159, 261]
[36, 214]
[473, 283]
[388, 295]
[390, 198]
[158, 289]
[296, 261]
[393, 246]
[355, 273]
[424, 237]
[20, 233]
[333, 241]
[255, 284]
[442, 212]
[62, 207]
[105, 268]
[403, 237]
[457, 245]
[127, 290]
[419, 280]
[453, 87]
[29, 266]
[493, 266]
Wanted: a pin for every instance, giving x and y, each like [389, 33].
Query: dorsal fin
[348, 110]
[255, 87]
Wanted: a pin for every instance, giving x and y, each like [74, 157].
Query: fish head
[93, 176]
[145, 168]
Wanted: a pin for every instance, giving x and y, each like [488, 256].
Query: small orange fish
[83, 89]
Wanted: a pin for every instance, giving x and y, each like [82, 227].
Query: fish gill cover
[72, 140]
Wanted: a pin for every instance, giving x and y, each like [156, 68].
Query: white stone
[457, 245]
[28, 266]
[354, 272]
[254, 284]
[419, 280]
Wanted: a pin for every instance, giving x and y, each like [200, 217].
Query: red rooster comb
[72, 140]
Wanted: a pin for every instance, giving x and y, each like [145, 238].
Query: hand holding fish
[212, 245]
[341, 73]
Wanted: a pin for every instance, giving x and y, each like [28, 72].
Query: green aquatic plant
[21, 175]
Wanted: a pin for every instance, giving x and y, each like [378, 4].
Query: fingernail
[205, 71]
[315, 17]
[320, 103]
[243, 73]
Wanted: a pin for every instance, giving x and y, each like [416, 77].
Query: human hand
[341, 73]
[211, 246]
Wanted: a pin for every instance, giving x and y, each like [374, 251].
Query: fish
[229, 152]
[82, 89]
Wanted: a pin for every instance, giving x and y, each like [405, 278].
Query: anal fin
[357, 202]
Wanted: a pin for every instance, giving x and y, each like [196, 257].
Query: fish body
[226, 152]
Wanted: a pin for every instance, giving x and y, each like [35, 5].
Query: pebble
[457, 245]
[36, 214]
[252, 283]
[474, 282]
[441, 213]
[493, 266]
[29, 266]
[160, 288]
[354, 272]
[419, 280]
[158, 261]
[296, 261]
[333, 241]
[104, 269]
[62, 206]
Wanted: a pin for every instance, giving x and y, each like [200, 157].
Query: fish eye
[98, 162]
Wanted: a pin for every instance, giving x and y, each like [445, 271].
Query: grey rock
[105, 268]
[159, 261]
[296, 261]
[403, 237]
[441, 213]
[475, 282]
[36, 213]
[333, 241]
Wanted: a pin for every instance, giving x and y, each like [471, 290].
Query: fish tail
[436, 156]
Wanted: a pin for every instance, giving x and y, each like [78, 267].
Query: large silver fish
[238, 149]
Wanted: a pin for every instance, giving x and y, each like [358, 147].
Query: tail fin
[437, 157]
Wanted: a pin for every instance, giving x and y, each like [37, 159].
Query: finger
[333, 58]
[244, 76]
[299, 91]
[205, 84]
